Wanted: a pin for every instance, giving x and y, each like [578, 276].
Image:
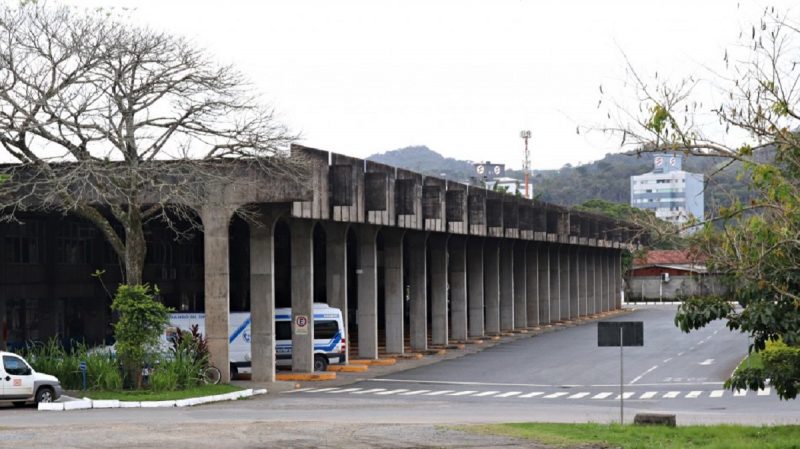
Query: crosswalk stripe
[625, 395]
[415, 392]
[320, 390]
[462, 393]
[765, 391]
[385, 393]
[346, 390]
[579, 395]
[602, 395]
[693, 394]
[439, 393]
[372, 390]
[532, 395]
[648, 395]
[716, 393]
[508, 395]
[299, 390]
[738, 393]
[556, 395]
[671, 395]
[486, 393]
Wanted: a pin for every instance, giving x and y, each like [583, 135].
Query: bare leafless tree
[121, 125]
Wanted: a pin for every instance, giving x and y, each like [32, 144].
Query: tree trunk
[135, 249]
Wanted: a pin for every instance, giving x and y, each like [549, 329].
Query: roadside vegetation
[647, 437]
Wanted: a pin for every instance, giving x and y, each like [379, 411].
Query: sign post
[620, 333]
[82, 367]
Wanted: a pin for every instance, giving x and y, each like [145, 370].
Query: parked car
[19, 383]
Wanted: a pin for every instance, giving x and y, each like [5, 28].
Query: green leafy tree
[142, 320]
[755, 243]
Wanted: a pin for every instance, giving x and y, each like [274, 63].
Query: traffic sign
[301, 325]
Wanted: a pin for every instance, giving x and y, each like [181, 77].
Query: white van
[19, 383]
[329, 336]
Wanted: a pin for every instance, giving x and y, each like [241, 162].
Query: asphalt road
[554, 377]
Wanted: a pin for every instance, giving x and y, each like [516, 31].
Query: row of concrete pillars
[479, 286]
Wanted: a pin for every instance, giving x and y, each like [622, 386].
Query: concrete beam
[491, 286]
[302, 238]
[418, 321]
[394, 291]
[458, 288]
[475, 286]
[520, 285]
[439, 314]
[367, 271]
[216, 221]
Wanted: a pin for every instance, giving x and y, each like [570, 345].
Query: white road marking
[671, 395]
[707, 362]
[637, 378]
[681, 353]
[384, 393]
[555, 395]
[579, 395]
[738, 393]
[626, 395]
[486, 393]
[448, 382]
[532, 395]
[694, 394]
[415, 392]
[298, 390]
[648, 395]
[439, 393]
[372, 390]
[462, 393]
[765, 391]
[346, 390]
[716, 393]
[666, 360]
[321, 390]
[602, 395]
[508, 395]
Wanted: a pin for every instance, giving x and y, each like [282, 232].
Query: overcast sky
[462, 77]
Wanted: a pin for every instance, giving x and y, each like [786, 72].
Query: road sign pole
[621, 400]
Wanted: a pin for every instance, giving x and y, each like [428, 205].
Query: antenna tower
[526, 161]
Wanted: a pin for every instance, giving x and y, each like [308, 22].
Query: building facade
[672, 193]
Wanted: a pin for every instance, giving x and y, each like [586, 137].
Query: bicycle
[211, 375]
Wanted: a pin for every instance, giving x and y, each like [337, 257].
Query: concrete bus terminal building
[415, 261]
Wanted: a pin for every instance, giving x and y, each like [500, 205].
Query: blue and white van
[329, 336]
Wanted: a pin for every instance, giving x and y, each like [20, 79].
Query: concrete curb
[86, 403]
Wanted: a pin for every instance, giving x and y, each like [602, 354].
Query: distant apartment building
[675, 195]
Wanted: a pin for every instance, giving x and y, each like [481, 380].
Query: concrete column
[591, 272]
[458, 288]
[216, 221]
[367, 271]
[618, 279]
[418, 326]
[574, 284]
[520, 285]
[555, 283]
[532, 284]
[506, 285]
[302, 294]
[393, 289]
[475, 283]
[564, 282]
[439, 315]
[543, 267]
[262, 298]
[610, 284]
[603, 267]
[491, 286]
[336, 271]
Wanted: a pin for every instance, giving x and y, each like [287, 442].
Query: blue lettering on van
[327, 347]
[239, 330]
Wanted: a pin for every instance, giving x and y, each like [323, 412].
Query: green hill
[606, 179]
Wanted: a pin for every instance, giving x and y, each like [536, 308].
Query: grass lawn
[146, 395]
[646, 437]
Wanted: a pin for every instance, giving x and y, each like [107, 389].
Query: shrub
[102, 370]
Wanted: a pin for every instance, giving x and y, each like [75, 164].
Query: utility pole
[526, 161]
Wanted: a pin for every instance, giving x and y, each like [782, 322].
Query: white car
[19, 383]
